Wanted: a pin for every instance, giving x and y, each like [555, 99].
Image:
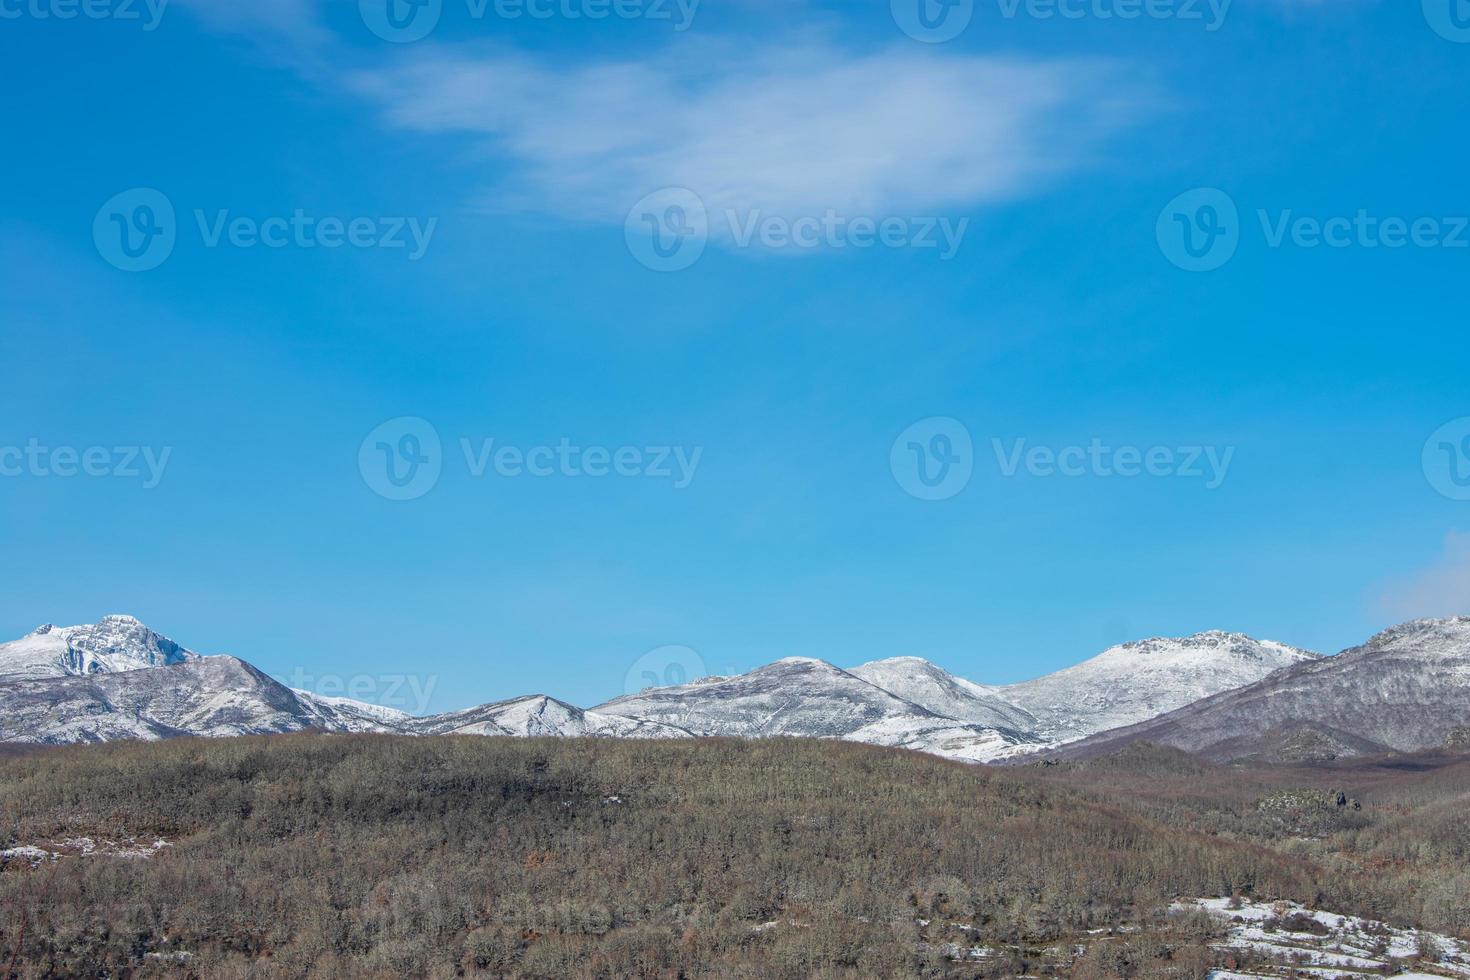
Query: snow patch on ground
[1317, 943]
[124, 847]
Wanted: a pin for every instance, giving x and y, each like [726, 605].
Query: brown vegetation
[376, 856]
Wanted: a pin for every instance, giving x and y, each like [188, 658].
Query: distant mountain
[346, 715]
[539, 715]
[1224, 695]
[115, 643]
[930, 686]
[1136, 681]
[205, 696]
[1407, 688]
[806, 698]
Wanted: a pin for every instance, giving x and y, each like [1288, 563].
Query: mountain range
[1407, 688]
[1223, 695]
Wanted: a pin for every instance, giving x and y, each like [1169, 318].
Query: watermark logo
[933, 459]
[1450, 19]
[667, 231]
[1098, 459]
[1199, 230]
[135, 230]
[1447, 459]
[34, 459]
[667, 666]
[401, 21]
[404, 21]
[832, 230]
[401, 459]
[1362, 230]
[409, 693]
[147, 12]
[572, 461]
[1210, 13]
[932, 21]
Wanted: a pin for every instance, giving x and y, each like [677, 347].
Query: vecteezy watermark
[937, 21]
[145, 463]
[137, 230]
[1210, 464]
[147, 13]
[933, 459]
[1200, 230]
[566, 459]
[1447, 459]
[1208, 13]
[1450, 19]
[667, 666]
[403, 458]
[404, 21]
[668, 230]
[409, 693]
[932, 21]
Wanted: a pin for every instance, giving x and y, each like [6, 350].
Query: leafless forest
[377, 856]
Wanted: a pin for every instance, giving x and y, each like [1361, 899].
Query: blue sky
[526, 151]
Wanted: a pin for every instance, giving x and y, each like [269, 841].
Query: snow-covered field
[1313, 943]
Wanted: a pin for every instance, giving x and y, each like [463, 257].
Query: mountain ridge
[119, 679]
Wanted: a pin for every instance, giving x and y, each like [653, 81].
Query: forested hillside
[382, 856]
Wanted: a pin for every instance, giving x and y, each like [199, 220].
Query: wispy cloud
[1443, 589]
[788, 130]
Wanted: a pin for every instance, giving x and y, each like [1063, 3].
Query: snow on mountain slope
[114, 644]
[802, 697]
[1225, 694]
[207, 696]
[796, 696]
[1136, 681]
[946, 738]
[930, 686]
[1407, 688]
[539, 715]
[346, 715]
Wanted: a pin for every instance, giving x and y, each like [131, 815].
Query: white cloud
[1441, 590]
[788, 130]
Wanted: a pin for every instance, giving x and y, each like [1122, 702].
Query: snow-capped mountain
[931, 686]
[115, 643]
[802, 697]
[1136, 681]
[794, 696]
[539, 715]
[1221, 693]
[1407, 688]
[346, 715]
[207, 696]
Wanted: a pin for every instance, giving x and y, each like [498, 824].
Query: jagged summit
[1422, 637]
[115, 643]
